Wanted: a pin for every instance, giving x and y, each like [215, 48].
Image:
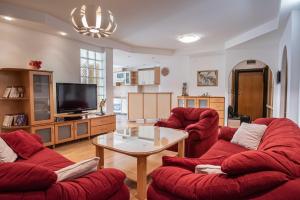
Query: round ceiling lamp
[93, 21]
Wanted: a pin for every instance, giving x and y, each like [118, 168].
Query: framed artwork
[207, 78]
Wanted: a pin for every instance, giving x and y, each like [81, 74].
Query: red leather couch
[33, 178]
[270, 173]
[201, 124]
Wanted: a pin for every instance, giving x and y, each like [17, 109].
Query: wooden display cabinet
[46, 132]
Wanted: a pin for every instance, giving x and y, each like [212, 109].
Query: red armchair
[201, 124]
[270, 173]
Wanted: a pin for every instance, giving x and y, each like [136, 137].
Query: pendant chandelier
[93, 21]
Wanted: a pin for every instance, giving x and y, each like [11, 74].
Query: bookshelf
[34, 84]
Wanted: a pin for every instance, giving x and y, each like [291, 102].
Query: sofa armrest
[226, 133]
[101, 184]
[203, 129]
[172, 122]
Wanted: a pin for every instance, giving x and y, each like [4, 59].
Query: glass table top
[142, 140]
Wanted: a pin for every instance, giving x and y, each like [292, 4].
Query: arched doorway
[284, 84]
[251, 90]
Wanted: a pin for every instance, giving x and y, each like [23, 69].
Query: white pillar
[109, 80]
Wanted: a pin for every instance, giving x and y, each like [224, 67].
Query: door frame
[237, 73]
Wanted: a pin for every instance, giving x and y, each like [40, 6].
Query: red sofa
[32, 176]
[270, 173]
[201, 124]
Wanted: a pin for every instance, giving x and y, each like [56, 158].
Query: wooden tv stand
[66, 131]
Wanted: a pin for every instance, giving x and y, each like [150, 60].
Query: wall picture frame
[207, 78]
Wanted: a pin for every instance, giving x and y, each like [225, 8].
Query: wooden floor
[83, 149]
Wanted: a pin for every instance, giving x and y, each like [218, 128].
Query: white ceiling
[156, 23]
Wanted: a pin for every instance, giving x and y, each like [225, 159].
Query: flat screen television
[75, 98]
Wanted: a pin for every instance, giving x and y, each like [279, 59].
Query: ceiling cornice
[253, 33]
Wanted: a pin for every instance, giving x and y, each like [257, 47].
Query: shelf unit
[38, 105]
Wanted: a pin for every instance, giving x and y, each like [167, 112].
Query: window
[92, 70]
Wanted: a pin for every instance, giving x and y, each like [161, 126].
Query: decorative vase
[35, 64]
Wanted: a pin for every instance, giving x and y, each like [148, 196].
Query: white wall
[291, 40]
[210, 62]
[62, 56]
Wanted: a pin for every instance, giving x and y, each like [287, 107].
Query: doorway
[251, 92]
[251, 87]
[284, 84]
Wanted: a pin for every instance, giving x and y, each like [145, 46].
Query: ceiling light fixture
[62, 33]
[93, 21]
[189, 38]
[8, 18]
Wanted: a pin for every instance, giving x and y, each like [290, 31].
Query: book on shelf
[14, 92]
[14, 120]
[6, 92]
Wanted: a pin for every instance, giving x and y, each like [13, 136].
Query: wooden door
[251, 94]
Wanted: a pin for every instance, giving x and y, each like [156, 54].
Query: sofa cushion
[6, 153]
[41, 158]
[188, 185]
[249, 135]
[18, 177]
[78, 169]
[22, 143]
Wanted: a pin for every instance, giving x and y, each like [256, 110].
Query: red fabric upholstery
[25, 177]
[201, 124]
[22, 143]
[215, 156]
[226, 133]
[101, 185]
[275, 164]
[188, 185]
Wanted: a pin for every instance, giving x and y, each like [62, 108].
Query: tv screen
[72, 97]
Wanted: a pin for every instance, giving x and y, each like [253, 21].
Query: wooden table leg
[181, 145]
[141, 177]
[100, 154]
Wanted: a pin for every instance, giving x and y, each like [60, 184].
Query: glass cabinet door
[181, 103]
[191, 103]
[42, 98]
[203, 103]
[64, 132]
[82, 129]
[46, 133]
